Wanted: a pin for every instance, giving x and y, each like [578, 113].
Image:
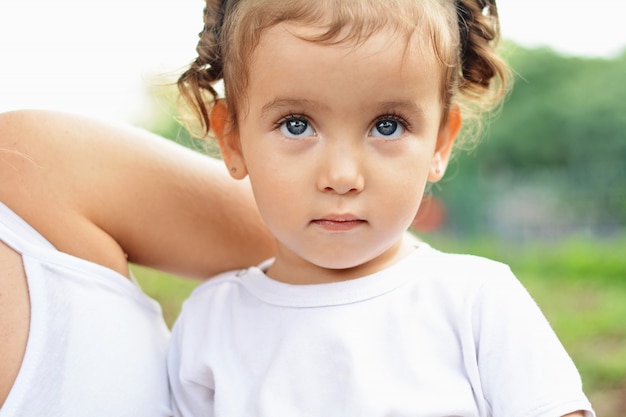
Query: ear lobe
[445, 142]
[228, 140]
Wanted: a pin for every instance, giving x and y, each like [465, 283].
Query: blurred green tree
[562, 131]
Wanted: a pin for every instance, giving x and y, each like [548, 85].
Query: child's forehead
[344, 41]
[378, 67]
[425, 23]
[393, 48]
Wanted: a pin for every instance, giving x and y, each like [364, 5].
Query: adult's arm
[109, 193]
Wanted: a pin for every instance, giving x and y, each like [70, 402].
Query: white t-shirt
[96, 344]
[434, 335]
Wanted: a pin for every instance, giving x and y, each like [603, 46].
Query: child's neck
[291, 268]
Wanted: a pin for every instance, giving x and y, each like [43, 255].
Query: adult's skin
[112, 195]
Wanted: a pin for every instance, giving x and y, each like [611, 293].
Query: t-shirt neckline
[350, 291]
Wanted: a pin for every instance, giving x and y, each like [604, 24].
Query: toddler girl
[340, 113]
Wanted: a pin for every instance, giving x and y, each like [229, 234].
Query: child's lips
[339, 222]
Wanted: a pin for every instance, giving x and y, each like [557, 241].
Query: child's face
[339, 142]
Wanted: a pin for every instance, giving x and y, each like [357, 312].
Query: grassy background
[580, 284]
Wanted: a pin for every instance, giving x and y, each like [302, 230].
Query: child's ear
[228, 140]
[445, 142]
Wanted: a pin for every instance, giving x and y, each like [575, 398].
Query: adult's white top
[96, 344]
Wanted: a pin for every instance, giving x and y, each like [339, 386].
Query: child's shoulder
[461, 262]
[466, 280]
[460, 269]
[221, 286]
[214, 283]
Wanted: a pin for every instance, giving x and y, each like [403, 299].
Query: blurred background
[544, 191]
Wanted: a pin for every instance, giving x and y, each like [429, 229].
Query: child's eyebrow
[291, 103]
[405, 106]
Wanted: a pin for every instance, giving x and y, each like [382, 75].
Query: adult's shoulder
[110, 193]
[50, 174]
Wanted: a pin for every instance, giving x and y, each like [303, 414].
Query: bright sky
[94, 57]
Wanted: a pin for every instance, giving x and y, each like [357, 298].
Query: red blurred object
[431, 215]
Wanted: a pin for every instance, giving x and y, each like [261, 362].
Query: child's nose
[341, 170]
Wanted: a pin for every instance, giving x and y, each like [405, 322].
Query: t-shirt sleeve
[524, 369]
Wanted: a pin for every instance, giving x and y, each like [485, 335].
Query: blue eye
[387, 128]
[295, 127]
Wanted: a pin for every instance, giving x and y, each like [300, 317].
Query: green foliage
[576, 259]
[169, 290]
[562, 130]
[588, 317]
[564, 112]
[165, 102]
